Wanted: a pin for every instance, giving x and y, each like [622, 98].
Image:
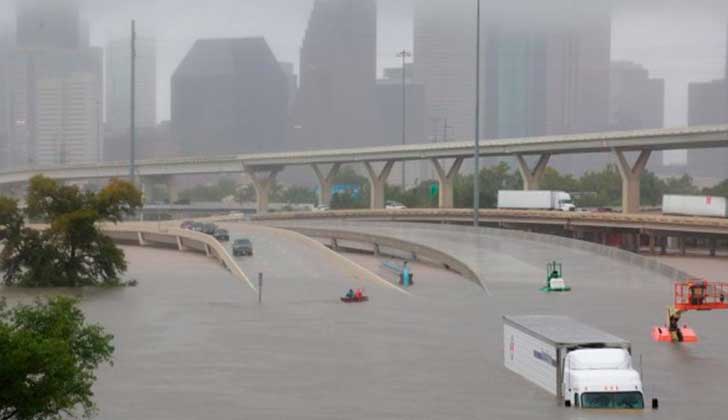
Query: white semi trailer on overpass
[581, 365]
[535, 200]
[695, 205]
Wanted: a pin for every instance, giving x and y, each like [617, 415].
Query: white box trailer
[695, 205]
[579, 364]
[535, 200]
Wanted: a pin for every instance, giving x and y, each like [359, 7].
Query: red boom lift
[693, 295]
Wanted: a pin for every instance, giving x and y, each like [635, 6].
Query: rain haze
[364, 209]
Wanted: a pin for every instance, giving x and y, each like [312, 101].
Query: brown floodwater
[193, 343]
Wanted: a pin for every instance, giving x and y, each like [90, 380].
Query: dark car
[242, 247]
[222, 235]
[209, 228]
[197, 227]
[187, 225]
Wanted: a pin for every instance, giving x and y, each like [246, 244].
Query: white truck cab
[602, 379]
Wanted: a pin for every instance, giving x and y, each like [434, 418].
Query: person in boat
[350, 294]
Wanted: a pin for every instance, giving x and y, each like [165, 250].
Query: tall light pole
[132, 119]
[476, 175]
[404, 54]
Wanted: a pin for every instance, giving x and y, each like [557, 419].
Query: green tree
[492, 179]
[720, 190]
[605, 188]
[48, 355]
[297, 195]
[681, 185]
[72, 251]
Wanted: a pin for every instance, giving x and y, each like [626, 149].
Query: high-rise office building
[4, 96]
[336, 105]
[229, 96]
[49, 24]
[292, 77]
[444, 62]
[637, 101]
[708, 105]
[118, 86]
[66, 116]
[55, 87]
[390, 95]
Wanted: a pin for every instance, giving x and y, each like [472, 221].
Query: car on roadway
[197, 227]
[394, 205]
[187, 224]
[209, 228]
[242, 247]
[222, 235]
[321, 207]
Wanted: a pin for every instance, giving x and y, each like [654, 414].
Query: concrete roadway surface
[192, 343]
[622, 299]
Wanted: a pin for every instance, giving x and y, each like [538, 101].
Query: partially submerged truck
[581, 365]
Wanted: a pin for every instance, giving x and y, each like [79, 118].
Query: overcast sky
[680, 41]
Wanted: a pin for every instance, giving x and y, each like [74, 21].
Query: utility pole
[445, 130]
[132, 119]
[404, 54]
[476, 175]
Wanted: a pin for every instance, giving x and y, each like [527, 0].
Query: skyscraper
[637, 101]
[708, 105]
[55, 87]
[4, 97]
[118, 85]
[49, 24]
[336, 106]
[444, 62]
[229, 96]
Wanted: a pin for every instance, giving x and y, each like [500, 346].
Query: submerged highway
[193, 343]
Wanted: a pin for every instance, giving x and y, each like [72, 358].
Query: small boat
[355, 299]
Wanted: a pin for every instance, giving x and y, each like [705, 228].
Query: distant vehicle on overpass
[394, 205]
[695, 205]
[535, 200]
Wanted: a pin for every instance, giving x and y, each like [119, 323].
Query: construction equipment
[693, 295]
[555, 278]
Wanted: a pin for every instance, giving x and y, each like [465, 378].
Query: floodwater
[193, 343]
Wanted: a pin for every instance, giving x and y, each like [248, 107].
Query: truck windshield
[613, 400]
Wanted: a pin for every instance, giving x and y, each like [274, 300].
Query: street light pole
[132, 119]
[476, 175]
[404, 54]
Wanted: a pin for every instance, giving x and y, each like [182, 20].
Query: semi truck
[535, 200]
[581, 365]
[695, 205]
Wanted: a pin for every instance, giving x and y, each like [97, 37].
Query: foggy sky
[681, 41]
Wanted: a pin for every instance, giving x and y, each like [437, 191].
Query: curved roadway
[192, 343]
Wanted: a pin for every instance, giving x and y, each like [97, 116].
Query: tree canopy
[48, 355]
[71, 251]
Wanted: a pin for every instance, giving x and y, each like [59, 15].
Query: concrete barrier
[174, 238]
[419, 252]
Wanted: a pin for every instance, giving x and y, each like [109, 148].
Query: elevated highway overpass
[651, 229]
[447, 159]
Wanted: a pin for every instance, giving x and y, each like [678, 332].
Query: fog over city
[673, 43]
[363, 209]
[680, 41]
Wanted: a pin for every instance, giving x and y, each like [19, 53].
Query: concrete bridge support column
[445, 178]
[631, 179]
[172, 189]
[378, 182]
[262, 184]
[325, 182]
[532, 177]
